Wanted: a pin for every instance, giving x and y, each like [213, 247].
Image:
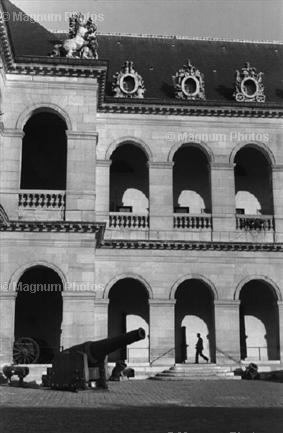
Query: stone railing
[42, 200]
[254, 222]
[126, 220]
[192, 222]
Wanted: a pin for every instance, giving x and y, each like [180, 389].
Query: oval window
[128, 84]
[190, 86]
[249, 87]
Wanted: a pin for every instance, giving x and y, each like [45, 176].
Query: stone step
[211, 377]
[197, 372]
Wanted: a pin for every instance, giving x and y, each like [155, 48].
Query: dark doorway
[38, 311]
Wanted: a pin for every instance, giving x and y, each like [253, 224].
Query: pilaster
[80, 194]
[223, 200]
[160, 196]
[227, 331]
[162, 331]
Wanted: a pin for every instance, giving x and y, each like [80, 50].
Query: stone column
[7, 325]
[102, 190]
[78, 318]
[227, 331]
[223, 200]
[162, 331]
[280, 311]
[10, 170]
[80, 191]
[277, 181]
[160, 196]
[101, 318]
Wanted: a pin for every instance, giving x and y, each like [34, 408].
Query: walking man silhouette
[199, 349]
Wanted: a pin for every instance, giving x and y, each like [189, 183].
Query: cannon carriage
[30, 350]
[83, 365]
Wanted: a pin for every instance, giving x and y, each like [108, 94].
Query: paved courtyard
[147, 406]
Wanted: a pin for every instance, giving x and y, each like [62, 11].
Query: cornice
[5, 45]
[190, 245]
[61, 67]
[207, 108]
[54, 227]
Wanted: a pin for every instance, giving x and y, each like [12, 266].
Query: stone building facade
[136, 191]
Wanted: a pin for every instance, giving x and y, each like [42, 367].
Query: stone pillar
[80, 191]
[223, 200]
[101, 318]
[10, 170]
[280, 311]
[277, 181]
[78, 318]
[227, 331]
[160, 196]
[102, 204]
[162, 331]
[7, 325]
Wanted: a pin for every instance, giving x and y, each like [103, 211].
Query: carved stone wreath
[189, 83]
[248, 85]
[128, 83]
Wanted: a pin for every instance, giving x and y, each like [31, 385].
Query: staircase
[197, 372]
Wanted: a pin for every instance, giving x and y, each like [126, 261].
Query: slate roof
[156, 59]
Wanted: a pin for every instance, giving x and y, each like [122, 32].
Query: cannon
[83, 365]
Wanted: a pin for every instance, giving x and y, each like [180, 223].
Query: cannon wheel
[26, 351]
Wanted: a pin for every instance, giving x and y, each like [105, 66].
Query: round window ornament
[189, 83]
[190, 86]
[248, 85]
[128, 83]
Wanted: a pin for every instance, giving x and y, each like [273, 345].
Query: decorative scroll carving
[189, 83]
[128, 83]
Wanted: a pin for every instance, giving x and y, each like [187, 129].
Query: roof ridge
[194, 38]
[181, 37]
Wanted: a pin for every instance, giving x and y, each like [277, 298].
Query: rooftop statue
[82, 41]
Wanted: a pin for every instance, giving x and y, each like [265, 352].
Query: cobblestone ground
[147, 406]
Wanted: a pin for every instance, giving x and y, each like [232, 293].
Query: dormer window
[128, 83]
[249, 86]
[189, 83]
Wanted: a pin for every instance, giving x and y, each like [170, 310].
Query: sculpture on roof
[128, 83]
[248, 85]
[82, 41]
[189, 83]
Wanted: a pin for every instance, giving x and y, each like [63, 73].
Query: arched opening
[38, 311]
[129, 183]
[259, 322]
[44, 152]
[253, 182]
[191, 181]
[129, 310]
[194, 313]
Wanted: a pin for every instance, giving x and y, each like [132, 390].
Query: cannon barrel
[96, 351]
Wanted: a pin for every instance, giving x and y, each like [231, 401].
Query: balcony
[259, 223]
[196, 222]
[42, 205]
[130, 221]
